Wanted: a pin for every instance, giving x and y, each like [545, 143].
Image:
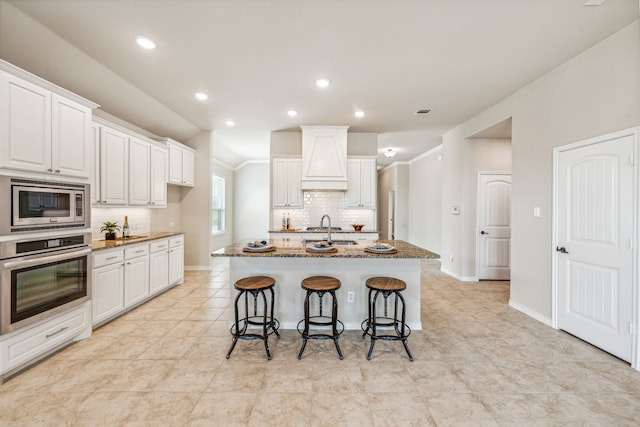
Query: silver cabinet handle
[56, 332]
[112, 257]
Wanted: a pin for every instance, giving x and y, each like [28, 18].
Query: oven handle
[44, 260]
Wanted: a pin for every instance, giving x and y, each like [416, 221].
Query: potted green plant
[110, 228]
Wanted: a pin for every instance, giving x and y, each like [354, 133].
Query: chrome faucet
[328, 228]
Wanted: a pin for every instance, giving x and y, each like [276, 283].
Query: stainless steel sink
[335, 242]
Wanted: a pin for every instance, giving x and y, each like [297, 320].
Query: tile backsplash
[139, 220]
[318, 203]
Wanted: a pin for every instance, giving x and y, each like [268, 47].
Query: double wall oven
[44, 250]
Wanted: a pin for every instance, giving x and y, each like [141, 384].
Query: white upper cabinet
[114, 173]
[41, 131]
[71, 150]
[139, 172]
[129, 169]
[286, 183]
[182, 160]
[362, 183]
[324, 158]
[158, 177]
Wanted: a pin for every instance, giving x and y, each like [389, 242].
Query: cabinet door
[353, 186]
[286, 192]
[294, 193]
[95, 170]
[175, 164]
[107, 292]
[159, 270]
[368, 183]
[158, 184]
[25, 125]
[279, 182]
[71, 150]
[176, 264]
[136, 280]
[113, 166]
[188, 168]
[139, 172]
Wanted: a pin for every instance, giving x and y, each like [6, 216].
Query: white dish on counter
[259, 248]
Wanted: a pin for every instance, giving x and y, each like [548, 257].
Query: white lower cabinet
[158, 266]
[107, 294]
[136, 274]
[176, 260]
[126, 277]
[19, 348]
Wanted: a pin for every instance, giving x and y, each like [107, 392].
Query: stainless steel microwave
[32, 205]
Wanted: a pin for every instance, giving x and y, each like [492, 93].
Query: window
[217, 204]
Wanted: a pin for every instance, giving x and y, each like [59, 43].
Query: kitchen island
[293, 260]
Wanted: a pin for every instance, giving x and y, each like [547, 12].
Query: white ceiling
[258, 58]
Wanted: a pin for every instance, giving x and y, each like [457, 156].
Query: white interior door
[594, 256]
[494, 226]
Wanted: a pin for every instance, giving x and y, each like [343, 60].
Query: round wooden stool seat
[254, 283]
[321, 283]
[385, 284]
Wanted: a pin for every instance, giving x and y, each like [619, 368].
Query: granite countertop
[303, 230]
[296, 248]
[97, 245]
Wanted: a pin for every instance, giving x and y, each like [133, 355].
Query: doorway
[494, 226]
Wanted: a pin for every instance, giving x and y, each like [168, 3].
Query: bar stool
[386, 286]
[320, 285]
[254, 285]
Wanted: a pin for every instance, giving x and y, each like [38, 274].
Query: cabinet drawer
[136, 251]
[161, 245]
[107, 257]
[176, 241]
[28, 345]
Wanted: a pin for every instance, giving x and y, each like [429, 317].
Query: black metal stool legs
[400, 327]
[320, 320]
[268, 323]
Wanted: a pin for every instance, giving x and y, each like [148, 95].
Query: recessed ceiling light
[146, 42]
[230, 123]
[359, 113]
[322, 83]
[202, 96]
[292, 113]
[594, 2]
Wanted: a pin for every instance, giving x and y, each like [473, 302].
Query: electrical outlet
[451, 258]
[172, 224]
[351, 296]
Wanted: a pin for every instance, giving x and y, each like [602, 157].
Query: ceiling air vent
[422, 112]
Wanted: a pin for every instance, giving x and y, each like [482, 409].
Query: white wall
[251, 201]
[195, 208]
[425, 201]
[595, 93]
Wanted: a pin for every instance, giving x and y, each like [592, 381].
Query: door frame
[480, 173]
[635, 133]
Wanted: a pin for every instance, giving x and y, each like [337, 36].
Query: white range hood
[324, 158]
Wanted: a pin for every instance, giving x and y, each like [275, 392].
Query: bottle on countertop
[125, 228]
[288, 222]
[284, 222]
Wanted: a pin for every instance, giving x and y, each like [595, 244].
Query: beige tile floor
[477, 362]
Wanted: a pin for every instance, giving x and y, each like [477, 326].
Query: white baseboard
[539, 317]
[469, 279]
[447, 272]
[197, 267]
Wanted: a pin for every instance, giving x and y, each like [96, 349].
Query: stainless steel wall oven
[43, 276]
